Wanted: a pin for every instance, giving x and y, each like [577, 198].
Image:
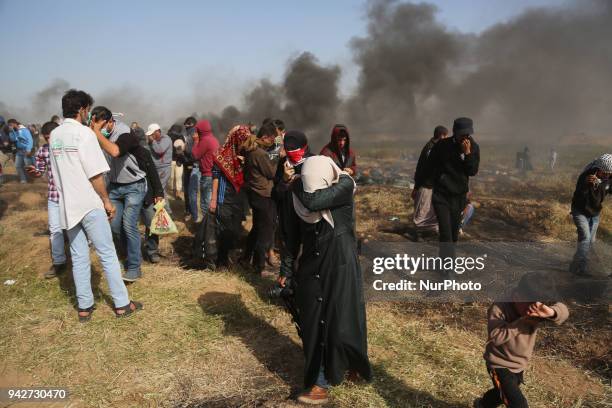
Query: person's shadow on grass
[284, 358]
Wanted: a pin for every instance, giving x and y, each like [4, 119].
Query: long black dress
[329, 292]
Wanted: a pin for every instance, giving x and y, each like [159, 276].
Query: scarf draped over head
[226, 158]
[603, 163]
[318, 172]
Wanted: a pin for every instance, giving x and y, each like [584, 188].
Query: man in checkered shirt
[42, 164]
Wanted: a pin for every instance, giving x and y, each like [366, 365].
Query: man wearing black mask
[452, 162]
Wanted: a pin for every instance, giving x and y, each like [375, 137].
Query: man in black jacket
[424, 216]
[452, 162]
[591, 188]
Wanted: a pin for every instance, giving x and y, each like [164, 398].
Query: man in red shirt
[205, 144]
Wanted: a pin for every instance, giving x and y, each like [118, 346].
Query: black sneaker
[154, 258]
[54, 271]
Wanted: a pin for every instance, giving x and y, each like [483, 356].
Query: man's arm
[471, 161]
[152, 175]
[99, 186]
[29, 140]
[106, 145]
[501, 331]
[336, 195]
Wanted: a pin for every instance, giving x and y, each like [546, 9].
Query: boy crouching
[512, 328]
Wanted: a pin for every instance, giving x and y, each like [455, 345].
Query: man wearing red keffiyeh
[228, 179]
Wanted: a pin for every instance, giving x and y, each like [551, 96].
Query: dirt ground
[214, 339]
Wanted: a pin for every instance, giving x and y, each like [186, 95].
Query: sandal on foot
[89, 310]
[127, 309]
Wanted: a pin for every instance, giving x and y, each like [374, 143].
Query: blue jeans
[468, 213]
[21, 160]
[94, 226]
[194, 186]
[321, 380]
[164, 177]
[56, 234]
[151, 243]
[128, 199]
[205, 193]
[586, 227]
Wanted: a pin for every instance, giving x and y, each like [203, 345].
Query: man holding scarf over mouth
[296, 148]
[452, 162]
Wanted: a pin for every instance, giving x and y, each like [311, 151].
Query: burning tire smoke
[544, 73]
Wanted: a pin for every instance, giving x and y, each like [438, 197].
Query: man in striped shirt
[42, 164]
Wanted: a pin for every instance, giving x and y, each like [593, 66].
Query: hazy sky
[164, 47]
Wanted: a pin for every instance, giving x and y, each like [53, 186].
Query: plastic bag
[162, 224]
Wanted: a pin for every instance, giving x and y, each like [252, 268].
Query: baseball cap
[152, 128]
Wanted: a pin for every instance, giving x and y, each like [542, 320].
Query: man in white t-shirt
[78, 166]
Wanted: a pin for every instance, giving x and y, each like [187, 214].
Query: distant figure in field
[552, 159]
[591, 188]
[424, 215]
[523, 160]
[24, 143]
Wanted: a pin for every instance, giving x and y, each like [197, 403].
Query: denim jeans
[94, 226]
[56, 234]
[205, 193]
[468, 213]
[586, 227]
[151, 243]
[321, 380]
[194, 186]
[164, 177]
[128, 200]
[21, 160]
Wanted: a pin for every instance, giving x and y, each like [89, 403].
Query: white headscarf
[603, 163]
[318, 172]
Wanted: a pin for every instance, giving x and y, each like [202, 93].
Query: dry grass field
[214, 339]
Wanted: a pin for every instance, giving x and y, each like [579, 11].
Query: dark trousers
[261, 235]
[229, 224]
[186, 178]
[506, 390]
[448, 208]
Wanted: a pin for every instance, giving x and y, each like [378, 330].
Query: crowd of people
[105, 176]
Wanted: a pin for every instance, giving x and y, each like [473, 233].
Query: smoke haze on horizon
[544, 73]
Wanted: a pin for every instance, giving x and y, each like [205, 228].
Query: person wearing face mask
[451, 163]
[127, 185]
[78, 166]
[295, 146]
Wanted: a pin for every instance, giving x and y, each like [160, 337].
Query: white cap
[152, 128]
